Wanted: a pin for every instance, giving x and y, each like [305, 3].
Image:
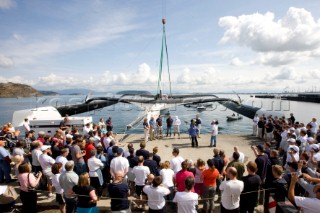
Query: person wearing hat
[314, 156]
[284, 147]
[46, 163]
[292, 155]
[310, 141]
[5, 168]
[302, 139]
[119, 163]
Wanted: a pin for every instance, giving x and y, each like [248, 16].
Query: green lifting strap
[164, 45]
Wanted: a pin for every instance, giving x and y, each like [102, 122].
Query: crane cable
[163, 46]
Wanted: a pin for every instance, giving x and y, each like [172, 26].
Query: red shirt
[180, 177]
[88, 148]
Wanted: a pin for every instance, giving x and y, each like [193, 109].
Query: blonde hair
[84, 179]
[167, 164]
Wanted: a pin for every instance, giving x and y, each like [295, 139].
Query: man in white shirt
[308, 205]
[187, 200]
[26, 126]
[36, 152]
[141, 172]
[176, 126]
[214, 133]
[175, 163]
[255, 121]
[230, 192]
[119, 163]
[314, 125]
[156, 194]
[63, 158]
[46, 163]
[241, 155]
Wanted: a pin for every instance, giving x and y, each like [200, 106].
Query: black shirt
[218, 163]
[152, 166]
[119, 191]
[133, 161]
[262, 163]
[84, 201]
[169, 122]
[159, 121]
[251, 183]
[157, 158]
[143, 152]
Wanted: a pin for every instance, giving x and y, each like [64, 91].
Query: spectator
[141, 172]
[156, 157]
[119, 163]
[181, 176]
[252, 184]
[63, 158]
[187, 200]
[307, 204]
[27, 179]
[56, 171]
[159, 127]
[67, 180]
[152, 164]
[87, 202]
[152, 125]
[46, 163]
[36, 152]
[5, 161]
[231, 190]
[238, 165]
[261, 161]
[167, 175]
[146, 128]
[209, 177]
[156, 194]
[175, 162]
[77, 156]
[95, 174]
[119, 192]
[198, 186]
[142, 151]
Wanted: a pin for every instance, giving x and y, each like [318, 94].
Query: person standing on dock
[198, 124]
[255, 125]
[169, 125]
[176, 126]
[214, 133]
[146, 128]
[159, 127]
[109, 124]
[193, 132]
[152, 125]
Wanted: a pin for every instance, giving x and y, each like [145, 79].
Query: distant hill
[15, 90]
[76, 91]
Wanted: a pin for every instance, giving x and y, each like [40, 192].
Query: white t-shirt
[175, 164]
[119, 164]
[186, 201]
[46, 163]
[106, 142]
[308, 205]
[35, 157]
[56, 183]
[255, 120]
[141, 173]
[167, 177]
[94, 164]
[314, 126]
[156, 196]
[63, 161]
[231, 190]
[241, 157]
[214, 129]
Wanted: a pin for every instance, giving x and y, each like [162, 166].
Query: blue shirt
[193, 131]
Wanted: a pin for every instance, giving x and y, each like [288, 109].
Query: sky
[112, 45]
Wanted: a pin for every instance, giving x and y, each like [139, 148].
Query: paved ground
[225, 142]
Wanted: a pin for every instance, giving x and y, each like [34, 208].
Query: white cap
[291, 140]
[45, 147]
[295, 148]
[310, 139]
[314, 146]
[292, 129]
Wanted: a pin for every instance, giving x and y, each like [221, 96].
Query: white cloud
[5, 61]
[296, 31]
[7, 4]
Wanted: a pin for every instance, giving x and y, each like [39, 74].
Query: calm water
[123, 114]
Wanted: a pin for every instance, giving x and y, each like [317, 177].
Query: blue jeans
[71, 204]
[80, 168]
[213, 140]
[5, 170]
[169, 130]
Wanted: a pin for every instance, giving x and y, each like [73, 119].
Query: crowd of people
[81, 167]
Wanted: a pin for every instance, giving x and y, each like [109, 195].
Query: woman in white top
[167, 175]
[56, 171]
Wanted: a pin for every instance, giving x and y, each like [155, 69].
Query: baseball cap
[314, 147]
[260, 147]
[291, 140]
[310, 139]
[45, 147]
[295, 148]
